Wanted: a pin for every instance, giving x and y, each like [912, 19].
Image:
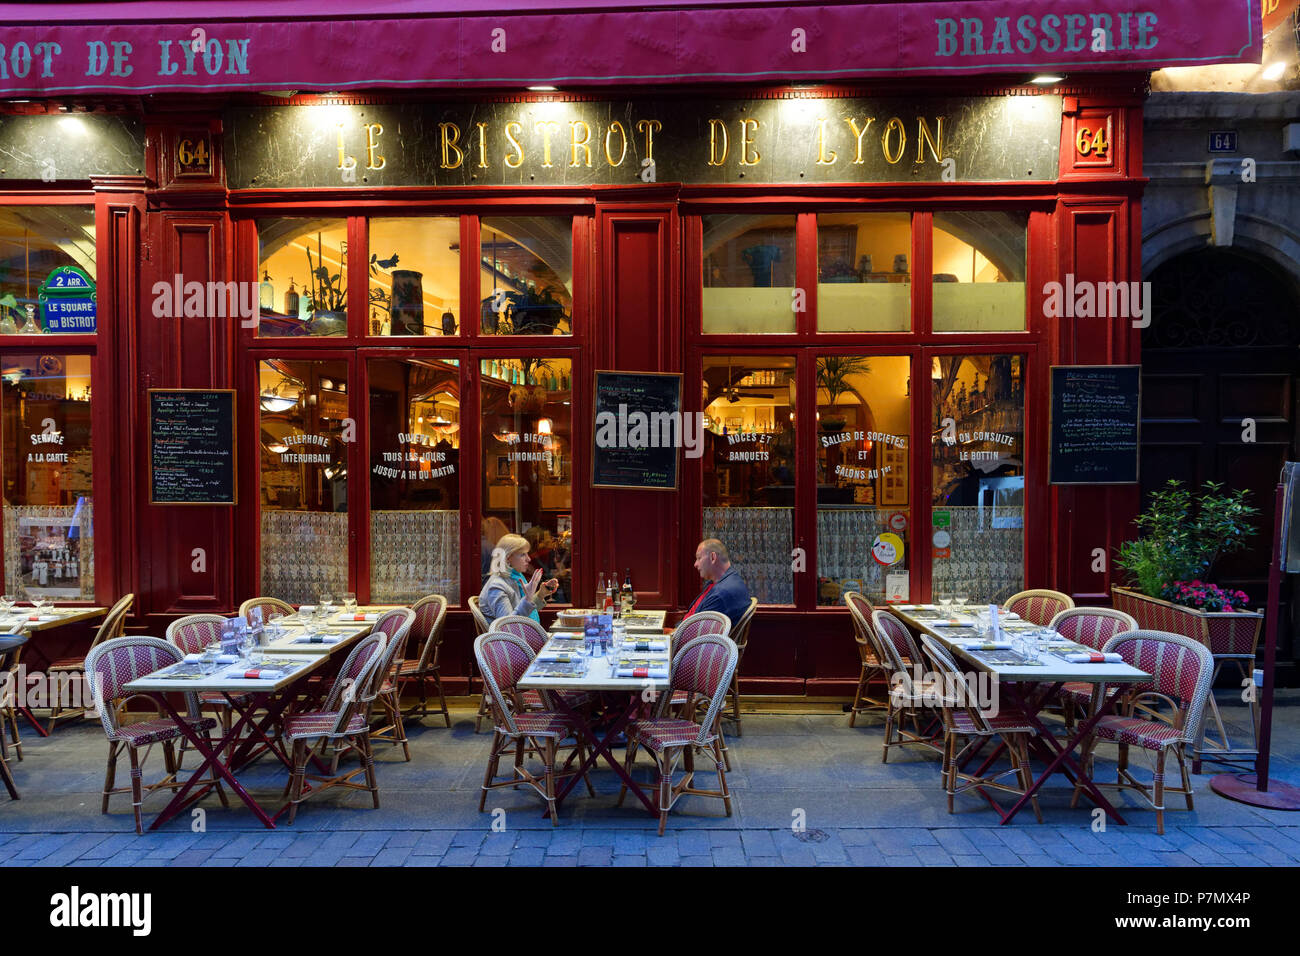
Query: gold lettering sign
[717, 140]
[544, 127]
[748, 127]
[450, 136]
[891, 156]
[512, 131]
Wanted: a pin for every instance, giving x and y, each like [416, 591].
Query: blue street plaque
[67, 299]
[1223, 141]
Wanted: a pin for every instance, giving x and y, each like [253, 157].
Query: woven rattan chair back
[1181, 669]
[269, 606]
[193, 633]
[1092, 626]
[740, 633]
[524, 627]
[481, 625]
[949, 686]
[1039, 606]
[860, 610]
[116, 662]
[114, 624]
[703, 668]
[502, 659]
[696, 626]
[430, 622]
[348, 693]
[895, 641]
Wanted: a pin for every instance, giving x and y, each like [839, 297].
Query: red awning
[319, 45]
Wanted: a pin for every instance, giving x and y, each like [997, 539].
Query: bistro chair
[502, 659]
[740, 637]
[109, 667]
[269, 606]
[873, 668]
[191, 635]
[11, 653]
[1039, 606]
[481, 627]
[909, 699]
[536, 637]
[967, 720]
[430, 623]
[1092, 627]
[112, 626]
[702, 668]
[395, 625]
[690, 629]
[344, 719]
[1181, 671]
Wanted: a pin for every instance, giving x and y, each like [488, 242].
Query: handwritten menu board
[1096, 413]
[191, 446]
[624, 401]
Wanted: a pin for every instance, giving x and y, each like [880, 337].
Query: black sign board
[638, 430]
[192, 446]
[1096, 414]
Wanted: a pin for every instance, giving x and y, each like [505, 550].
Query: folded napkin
[371, 616]
[306, 608]
[555, 657]
[317, 640]
[979, 645]
[1092, 657]
[43, 617]
[661, 672]
[644, 645]
[257, 674]
[221, 658]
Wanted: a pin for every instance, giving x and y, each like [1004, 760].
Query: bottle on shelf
[600, 592]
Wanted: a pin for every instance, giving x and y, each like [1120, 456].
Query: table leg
[1062, 757]
[212, 758]
[601, 749]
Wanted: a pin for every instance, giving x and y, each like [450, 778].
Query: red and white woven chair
[113, 625]
[502, 659]
[9, 674]
[1092, 627]
[910, 699]
[740, 637]
[873, 669]
[343, 722]
[191, 635]
[1182, 671]
[702, 668]
[1039, 606]
[481, 627]
[698, 625]
[428, 627]
[395, 625]
[535, 635]
[269, 606]
[109, 667]
[967, 721]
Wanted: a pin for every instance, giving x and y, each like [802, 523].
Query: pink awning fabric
[323, 45]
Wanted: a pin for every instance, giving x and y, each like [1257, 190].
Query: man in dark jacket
[724, 588]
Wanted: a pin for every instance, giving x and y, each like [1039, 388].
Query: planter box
[1225, 633]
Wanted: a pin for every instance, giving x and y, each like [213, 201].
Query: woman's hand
[530, 587]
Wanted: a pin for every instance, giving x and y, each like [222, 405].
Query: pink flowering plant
[1203, 596]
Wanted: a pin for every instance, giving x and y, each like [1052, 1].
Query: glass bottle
[291, 300]
[628, 597]
[266, 293]
[600, 591]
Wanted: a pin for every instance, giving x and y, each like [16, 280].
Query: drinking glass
[326, 602]
[7, 603]
[38, 602]
[350, 603]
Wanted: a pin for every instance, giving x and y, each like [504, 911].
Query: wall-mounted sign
[1223, 141]
[633, 448]
[887, 549]
[67, 301]
[828, 140]
[1095, 423]
[57, 147]
[191, 446]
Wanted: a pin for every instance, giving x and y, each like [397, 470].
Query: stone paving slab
[807, 791]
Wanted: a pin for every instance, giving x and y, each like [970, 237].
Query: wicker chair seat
[543, 723]
[156, 731]
[667, 732]
[1138, 732]
[67, 664]
[1001, 724]
[315, 724]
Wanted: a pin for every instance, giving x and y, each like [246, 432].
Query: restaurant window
[978, 478]
[979, 271]
[302, 409]
[49, 538]
[414, 479]
[302, 268]
[414, 276]
[749, 468]
[749, 274]
[864, 272]
[864, 515]
[527, 447]
[47, 253]
[526, 275]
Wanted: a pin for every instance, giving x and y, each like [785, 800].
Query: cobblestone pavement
[808, 790]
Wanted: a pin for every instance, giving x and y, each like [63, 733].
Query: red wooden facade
[637, 259]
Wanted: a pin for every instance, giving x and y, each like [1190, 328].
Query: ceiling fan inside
[733, 392]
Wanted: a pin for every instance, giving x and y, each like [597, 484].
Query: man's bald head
[712, 559]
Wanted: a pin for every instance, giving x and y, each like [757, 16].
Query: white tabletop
[641, 622]
[599, 676]
[294, 633]
[965, 641]
[228, 677]
[21, 620]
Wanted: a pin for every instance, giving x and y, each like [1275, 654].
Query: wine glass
[38, 602]
[7, 603]
[326, 602]
[350, 603]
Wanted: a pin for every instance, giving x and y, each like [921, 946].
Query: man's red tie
[699, 599]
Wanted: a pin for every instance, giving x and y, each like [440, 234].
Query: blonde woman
[507, 591]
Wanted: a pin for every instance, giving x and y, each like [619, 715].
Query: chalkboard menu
[191, 446]
[1096, 413]
[632, 447]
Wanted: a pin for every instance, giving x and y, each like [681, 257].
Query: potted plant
[328, 297]
[1183, 534]
[833, 372]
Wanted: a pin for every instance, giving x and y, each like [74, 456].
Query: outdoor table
[599, 678]
[9, 645]
[635, 622]
[246, 696]
[338, 636]
[1030, 687]
[19, 621]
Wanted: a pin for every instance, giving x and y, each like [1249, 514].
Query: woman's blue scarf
[520, 581]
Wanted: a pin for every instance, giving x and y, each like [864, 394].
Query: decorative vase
[408, 302]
